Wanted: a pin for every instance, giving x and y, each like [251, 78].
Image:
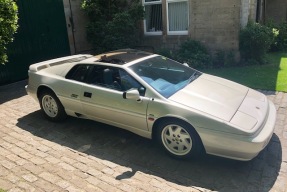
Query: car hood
[212, 95]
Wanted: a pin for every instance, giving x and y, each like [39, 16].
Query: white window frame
[185, 32]
[145, 27]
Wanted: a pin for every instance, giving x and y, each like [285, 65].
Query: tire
[179, 139]
[51, 106]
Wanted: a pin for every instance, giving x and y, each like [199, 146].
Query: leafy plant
[113, 24]
[281, 39]
[230, 58]
[254, 41]
[280, 42]
[219, 59]
[195, 54]
[223, 58]
[8, 26]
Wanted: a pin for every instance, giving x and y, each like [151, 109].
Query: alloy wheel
[50, 106]
[176, 139]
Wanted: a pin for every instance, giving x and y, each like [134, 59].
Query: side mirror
[132, 94]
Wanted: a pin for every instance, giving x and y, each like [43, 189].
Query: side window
[114, 78]
[78, 73]
[127, 81]
[105, 77]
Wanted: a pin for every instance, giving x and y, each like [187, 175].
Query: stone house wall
[276, 10]
[215, 23]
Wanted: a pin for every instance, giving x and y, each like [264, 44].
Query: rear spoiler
[49, 63]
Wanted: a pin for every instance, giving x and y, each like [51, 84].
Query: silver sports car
[185, 110]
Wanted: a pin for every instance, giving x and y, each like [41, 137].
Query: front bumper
[241, 147]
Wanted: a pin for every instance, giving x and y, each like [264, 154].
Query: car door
[69, 89]
[103, 99]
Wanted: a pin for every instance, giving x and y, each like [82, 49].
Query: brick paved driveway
[81, 155]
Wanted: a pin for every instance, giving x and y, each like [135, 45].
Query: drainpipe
[264, 10]
[73, 26]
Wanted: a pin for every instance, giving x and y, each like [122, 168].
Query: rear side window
[79, 73]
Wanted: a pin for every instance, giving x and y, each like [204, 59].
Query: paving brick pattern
[82, 155]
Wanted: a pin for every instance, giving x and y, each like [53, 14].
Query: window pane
[105, 77]
[127, 81]
[178, 16]
[153, 18]
[78, 72]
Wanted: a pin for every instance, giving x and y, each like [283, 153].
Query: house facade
[168, 23]
[215, 23]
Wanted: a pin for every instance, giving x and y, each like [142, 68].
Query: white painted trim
[167, 20]
[177, 32]
[152, 3]
[154, 33]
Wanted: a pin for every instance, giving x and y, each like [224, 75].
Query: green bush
[280, 42]
[282, 37]
[222, 58]
[8, 26]
[230, 58]
[219, 59]
[254, 42]
[113, 24]
[195, 54]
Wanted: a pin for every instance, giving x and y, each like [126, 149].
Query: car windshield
[165, 75]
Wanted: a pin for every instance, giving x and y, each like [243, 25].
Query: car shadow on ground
[12, 91]
[140, 154]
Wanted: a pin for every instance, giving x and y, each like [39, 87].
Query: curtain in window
[153, 17]
[178, 16]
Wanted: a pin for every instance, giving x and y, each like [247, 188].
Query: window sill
[177, 33]
[153, 33]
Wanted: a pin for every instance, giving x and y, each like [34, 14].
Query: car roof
[118, 57]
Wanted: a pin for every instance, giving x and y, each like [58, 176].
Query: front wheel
[178, 138]
[52, 107]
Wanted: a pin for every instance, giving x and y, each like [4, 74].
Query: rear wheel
[178, 138]
[51, 106]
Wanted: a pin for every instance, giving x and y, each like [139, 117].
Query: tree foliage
[113, 24]
[8, 26]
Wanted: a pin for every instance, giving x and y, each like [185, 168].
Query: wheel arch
[61, 113]
[42, 88]
[161, 119]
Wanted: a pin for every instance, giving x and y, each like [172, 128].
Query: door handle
[74, 96]
[87, 94]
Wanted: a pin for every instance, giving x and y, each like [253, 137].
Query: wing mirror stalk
[132, 94]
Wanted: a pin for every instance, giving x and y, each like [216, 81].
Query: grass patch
[272, 76]
[2, 190]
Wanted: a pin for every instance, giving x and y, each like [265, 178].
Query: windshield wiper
[192, 78]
